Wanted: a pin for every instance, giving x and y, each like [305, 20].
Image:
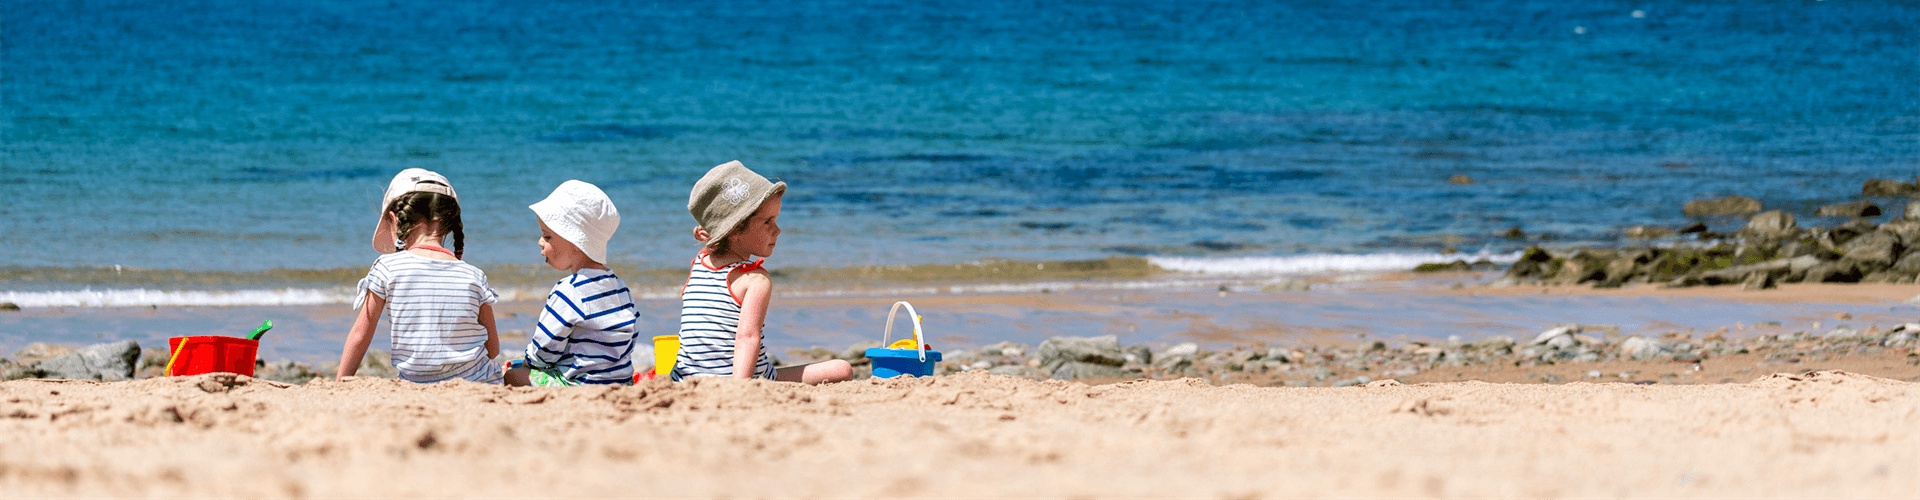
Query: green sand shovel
[262, 330]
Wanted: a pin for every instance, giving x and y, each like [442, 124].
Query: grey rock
[1642, 348]
[1187, 349]
[1020, 371]
[1888, 187]
[1771, 224]
[1832, 272]
[857, 353]
[13, 371]
[109, 362]
[1558, 338]
[1009, 349]
[1731, 205]
[1862, 208]
[1281, 354]
[1320, 373]
[377, 363]
[1360, 380]
[1878, 249]
[1493, 344]
[1139, 354]
[1078, 370]
[1759, 281]
[285, 370]
[1912, 211]
[1103, 350]
[9, 306]
[1843, 333]
[1647, 233]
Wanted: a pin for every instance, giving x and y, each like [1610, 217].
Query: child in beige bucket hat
[585, 333]
[723, 307]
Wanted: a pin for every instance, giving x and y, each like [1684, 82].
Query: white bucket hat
[408, 181]
[581, 214]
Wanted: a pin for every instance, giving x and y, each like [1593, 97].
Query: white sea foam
[1318, 263]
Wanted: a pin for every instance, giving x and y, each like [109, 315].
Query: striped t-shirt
[586, 332]
[434, 308]
[709, 319]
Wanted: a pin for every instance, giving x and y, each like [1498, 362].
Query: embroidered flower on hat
[735, 191]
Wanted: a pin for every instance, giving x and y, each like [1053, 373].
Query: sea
[232, 153]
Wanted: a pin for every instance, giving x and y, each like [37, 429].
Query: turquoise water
[189, 138]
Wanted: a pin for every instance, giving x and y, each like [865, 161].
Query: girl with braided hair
[440, 307]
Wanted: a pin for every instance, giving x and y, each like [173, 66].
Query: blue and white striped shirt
[709, 319]
[586, 332]
[434, 306]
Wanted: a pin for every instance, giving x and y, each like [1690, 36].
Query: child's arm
[756, 291]
[493, 336]
[360, 335]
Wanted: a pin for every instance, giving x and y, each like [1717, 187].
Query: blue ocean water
[194, 138]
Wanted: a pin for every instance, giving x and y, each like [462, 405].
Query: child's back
[434, 308]
[441, 308]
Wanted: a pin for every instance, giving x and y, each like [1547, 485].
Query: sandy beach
[1822, 434]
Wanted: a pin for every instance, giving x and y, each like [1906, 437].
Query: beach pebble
[1187, 349]
[1642, 348]
[1102, 350]
[109, 362]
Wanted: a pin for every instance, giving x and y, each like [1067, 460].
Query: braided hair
[413, 208]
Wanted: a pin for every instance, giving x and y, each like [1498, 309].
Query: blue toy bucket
[889, 363]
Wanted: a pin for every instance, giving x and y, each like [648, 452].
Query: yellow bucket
[666, 348]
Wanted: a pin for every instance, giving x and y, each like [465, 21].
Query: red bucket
[211, 353]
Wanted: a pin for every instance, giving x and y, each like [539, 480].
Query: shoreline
[1401, 311]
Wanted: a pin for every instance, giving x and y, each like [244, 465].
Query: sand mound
[970, 435]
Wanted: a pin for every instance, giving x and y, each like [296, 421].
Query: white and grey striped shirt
[434, 308]
[709, 319]
[586, 332]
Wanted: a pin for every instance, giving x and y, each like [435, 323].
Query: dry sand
[1824, 434]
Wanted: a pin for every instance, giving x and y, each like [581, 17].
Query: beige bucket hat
[581, 214]
[408, 181]
[727, 195]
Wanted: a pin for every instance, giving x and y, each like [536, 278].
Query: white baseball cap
[581, 214]
[408, 181]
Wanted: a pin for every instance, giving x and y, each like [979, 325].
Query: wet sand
[974, 435]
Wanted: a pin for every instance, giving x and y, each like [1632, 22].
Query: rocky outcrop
[1888, 187]
[1731, 205]
[1860, 208]
[109, 362]
[1071, 358]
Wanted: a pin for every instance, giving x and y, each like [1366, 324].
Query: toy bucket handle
[918, 338]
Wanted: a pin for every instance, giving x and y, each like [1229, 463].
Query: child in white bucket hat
[724, 305]
[585, 334]
[441, 308]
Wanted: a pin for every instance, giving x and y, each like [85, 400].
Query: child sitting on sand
[441, 308]
[585, 334]
[724, 305]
